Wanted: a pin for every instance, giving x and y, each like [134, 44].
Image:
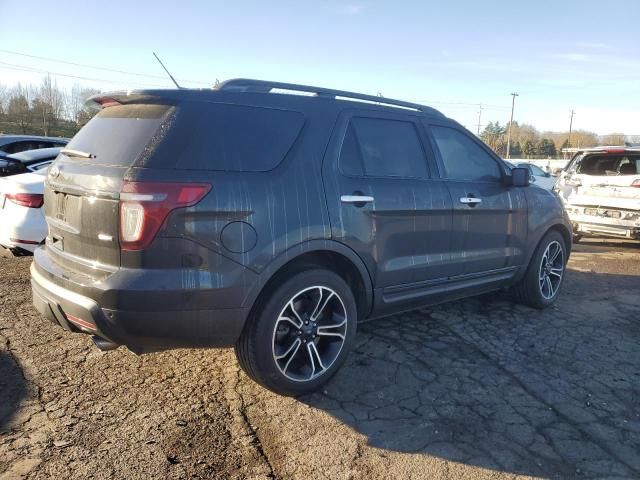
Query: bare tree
[4, 99]
[19, 107]
[48, 103]
[613, 139]
[78, 111]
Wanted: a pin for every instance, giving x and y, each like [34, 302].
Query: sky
[452, 55]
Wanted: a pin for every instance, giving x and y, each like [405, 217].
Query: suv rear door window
[463, 158]
[382, 148]
[217, 136]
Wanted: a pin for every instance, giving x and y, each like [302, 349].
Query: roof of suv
[241, 85]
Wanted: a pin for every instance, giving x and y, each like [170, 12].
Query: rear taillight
[30, 200]
[144, 207]
[636, 183]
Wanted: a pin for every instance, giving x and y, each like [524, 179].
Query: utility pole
[513, 103]
[570, 127]
[479, 118]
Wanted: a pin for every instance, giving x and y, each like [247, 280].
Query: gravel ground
[479, 388]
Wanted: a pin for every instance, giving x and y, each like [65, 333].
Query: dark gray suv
[272, 217]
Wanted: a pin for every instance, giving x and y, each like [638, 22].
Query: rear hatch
[83, 185]
[607, 169]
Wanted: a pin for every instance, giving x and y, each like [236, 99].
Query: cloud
[571, 57]
[351, 9]
[594, 45]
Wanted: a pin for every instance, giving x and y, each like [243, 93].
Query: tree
[4, 100]
[494, 136]
[79, 112]
[516, 151]
[48, 103]
[19, 108]
[613, 139]
[529, 149]
[546, 148]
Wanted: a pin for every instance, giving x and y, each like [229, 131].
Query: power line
[12, 66]
[95, 67]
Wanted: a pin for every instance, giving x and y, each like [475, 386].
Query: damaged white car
[600, 188]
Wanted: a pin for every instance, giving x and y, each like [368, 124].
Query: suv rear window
[118, 135]
[216, 136]
[609, 165]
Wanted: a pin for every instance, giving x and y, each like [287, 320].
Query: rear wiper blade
[76, 153]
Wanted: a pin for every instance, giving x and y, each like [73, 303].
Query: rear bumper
[602, 226]
[143, 330]
[632, 233]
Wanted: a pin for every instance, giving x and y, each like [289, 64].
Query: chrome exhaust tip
[104, 345]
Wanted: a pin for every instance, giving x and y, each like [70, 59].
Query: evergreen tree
[529, 149]
[516, 151]
[546, 148]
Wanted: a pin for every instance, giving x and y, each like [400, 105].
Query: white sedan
[22, 223]
[539, 176]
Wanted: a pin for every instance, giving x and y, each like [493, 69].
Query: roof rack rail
[263, 86]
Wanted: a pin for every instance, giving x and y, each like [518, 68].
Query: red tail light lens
[636, 183]
[144, 207]
[30, 200]
[107, 102]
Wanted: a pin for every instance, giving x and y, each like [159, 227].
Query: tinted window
[40, 166]
[214, 136]
[118, 135]
[382, 148]
[463, 158]
[22, 146]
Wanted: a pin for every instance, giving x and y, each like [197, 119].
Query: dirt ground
[480, 388]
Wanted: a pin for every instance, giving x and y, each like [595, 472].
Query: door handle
[470, 200]
[356, 199]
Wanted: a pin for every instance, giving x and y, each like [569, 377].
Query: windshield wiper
[76, 153]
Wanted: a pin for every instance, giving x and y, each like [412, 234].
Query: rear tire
[298, 336]
[541, 284]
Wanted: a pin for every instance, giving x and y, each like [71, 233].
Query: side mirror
[520, 177]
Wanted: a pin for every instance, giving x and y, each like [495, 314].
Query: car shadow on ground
[489, 383]
[13, 389]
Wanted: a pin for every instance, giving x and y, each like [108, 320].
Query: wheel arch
[326, 254]
[566, 235]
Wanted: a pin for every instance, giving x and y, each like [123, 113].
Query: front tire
[540, 286]
[300, 334]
